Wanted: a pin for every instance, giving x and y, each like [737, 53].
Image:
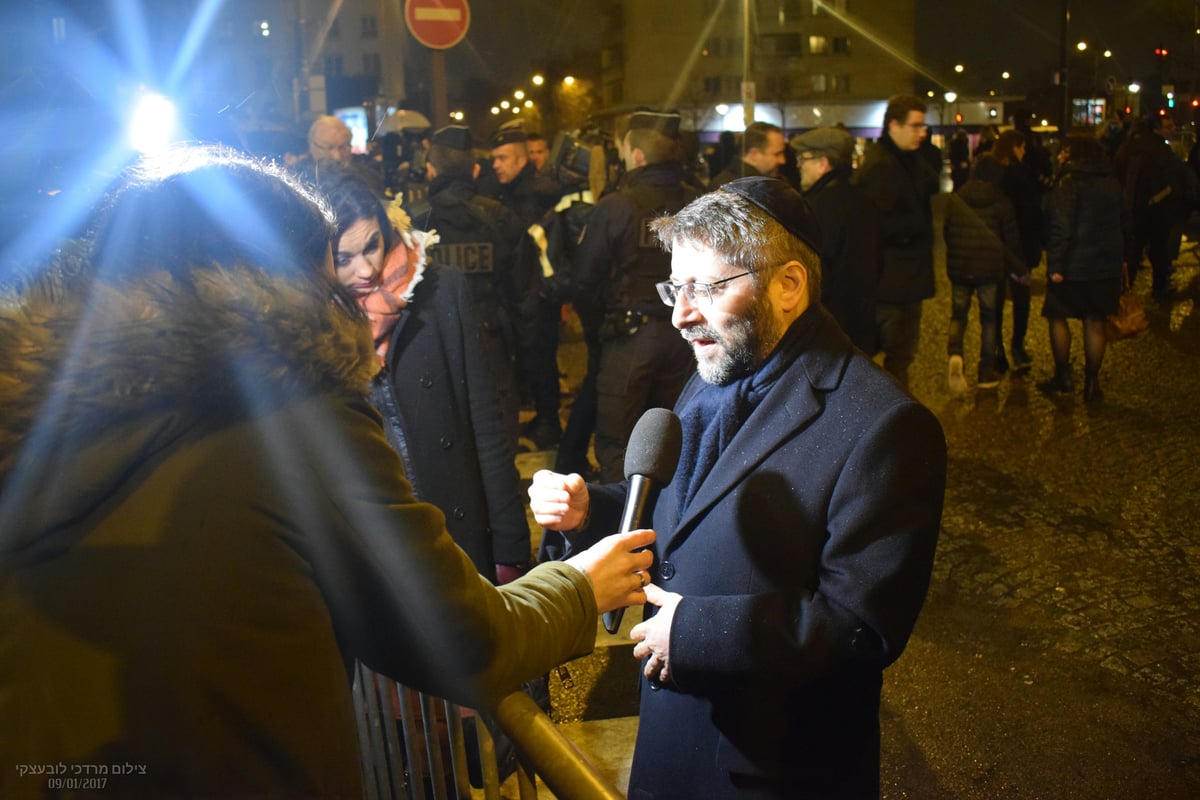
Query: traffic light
[1161, 52]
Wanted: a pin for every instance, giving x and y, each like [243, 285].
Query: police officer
[479, 236]
[516, 183]
[643, 361]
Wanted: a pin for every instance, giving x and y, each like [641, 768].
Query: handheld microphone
[650, 461]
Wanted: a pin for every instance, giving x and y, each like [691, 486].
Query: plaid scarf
[403, 268]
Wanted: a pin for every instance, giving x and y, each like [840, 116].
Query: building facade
[811, 62]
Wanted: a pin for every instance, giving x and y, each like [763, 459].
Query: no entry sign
[438, 23]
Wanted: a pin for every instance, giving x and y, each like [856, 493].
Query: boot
[1000, 365]
[1091, 388]
[1061, 383]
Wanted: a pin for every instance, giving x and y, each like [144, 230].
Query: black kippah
[454, 137]
[781, 203]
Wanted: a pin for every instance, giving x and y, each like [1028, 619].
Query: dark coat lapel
[791, 404]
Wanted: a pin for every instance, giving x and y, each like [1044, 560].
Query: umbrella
[403, 120]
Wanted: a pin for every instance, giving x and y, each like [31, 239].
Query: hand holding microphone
[650, 461]
[561, 502]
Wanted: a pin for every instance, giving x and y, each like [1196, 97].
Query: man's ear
[475, 171]
[639, 157]
[792, 280]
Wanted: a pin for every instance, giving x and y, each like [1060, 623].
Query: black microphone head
[654, 446]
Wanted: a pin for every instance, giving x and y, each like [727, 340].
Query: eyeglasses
[697, 293]
[332, 148]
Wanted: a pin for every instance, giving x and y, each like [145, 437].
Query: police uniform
[478, 236]
[644, 362]
[530, 196]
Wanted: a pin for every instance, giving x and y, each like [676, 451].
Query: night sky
[1023, 36]
[987, 36]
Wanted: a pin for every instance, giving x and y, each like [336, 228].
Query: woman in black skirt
[1086, 223]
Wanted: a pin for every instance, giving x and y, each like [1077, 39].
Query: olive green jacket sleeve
[404, 598]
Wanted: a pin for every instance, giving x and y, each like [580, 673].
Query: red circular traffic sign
[438, 23]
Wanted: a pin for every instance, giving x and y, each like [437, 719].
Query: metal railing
[424, 753]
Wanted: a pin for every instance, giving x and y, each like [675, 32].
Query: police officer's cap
[453, 137]
[510, 133]
[665, 122]
[781, 203]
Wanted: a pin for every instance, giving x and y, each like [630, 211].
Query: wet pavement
[1058, 653]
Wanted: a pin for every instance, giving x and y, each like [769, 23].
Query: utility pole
[748, 91]
[1064, 123]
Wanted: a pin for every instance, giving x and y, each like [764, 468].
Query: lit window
[818, 45]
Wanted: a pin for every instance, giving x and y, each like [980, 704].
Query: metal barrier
[406, 759]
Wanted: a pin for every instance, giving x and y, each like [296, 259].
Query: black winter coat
[851, 253]
[1087, 222]
[803, 560]
[983, 243]
[1021, 186]
[900, 185]
[437, 395]
[618, 258]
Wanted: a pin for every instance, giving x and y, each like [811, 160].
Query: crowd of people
[262, 422]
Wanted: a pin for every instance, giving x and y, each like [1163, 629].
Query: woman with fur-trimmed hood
[201, 522]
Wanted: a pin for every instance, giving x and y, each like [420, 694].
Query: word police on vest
[470, 257]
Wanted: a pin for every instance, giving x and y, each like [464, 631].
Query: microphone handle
[631, 519]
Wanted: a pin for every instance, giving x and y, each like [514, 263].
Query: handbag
[1130, 318]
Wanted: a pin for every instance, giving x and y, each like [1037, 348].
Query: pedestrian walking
[1087, 225]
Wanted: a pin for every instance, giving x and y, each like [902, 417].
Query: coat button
[446, 443]
[427, 381]
[459, 513]
[667, 570]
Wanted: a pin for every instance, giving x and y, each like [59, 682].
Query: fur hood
[80, 357]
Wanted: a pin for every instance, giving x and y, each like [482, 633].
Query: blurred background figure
[762, 154]
[1087, 232]
[851, 250]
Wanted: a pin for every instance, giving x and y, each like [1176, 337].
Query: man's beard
[745, 345]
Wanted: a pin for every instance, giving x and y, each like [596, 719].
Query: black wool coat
[438, 398]
[803, 561]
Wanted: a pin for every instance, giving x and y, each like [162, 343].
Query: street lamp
[959, 68]
[537, 80]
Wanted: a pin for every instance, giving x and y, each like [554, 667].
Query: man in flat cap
[643, 363]
[851, 255]
[796, 540]
[762, 154]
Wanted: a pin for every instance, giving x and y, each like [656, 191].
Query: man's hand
[653, 636]
[617, 573]
[558, 502]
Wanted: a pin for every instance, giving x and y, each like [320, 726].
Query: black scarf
[713, 415]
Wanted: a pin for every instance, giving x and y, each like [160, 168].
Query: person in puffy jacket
[983, 248]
